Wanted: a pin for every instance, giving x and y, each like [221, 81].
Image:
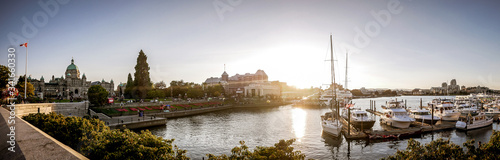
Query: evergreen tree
[129, 87]
[97, 95]
[142, 81]
[4, 76]
[20, 87]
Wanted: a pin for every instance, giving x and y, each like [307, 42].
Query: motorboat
[445, 109]
[493, 112]
[465, 107]
[424, 115]
[327, 96]
[395, 104]
[358, 118]
[330, 124]
[473, 122]
[395, 116]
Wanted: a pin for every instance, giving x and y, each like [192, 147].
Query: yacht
[465, 106]
[445, 110]
[395, 116]
[473, 122]
[493, 112]
[330, 124]
[423, 115]
[326, 97]
[395, 103]
[359, 118]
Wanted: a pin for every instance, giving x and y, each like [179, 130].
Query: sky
[391, 44]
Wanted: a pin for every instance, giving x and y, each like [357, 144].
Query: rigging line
[335, 59]
[324, 62]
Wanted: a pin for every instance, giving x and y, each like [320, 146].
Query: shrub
[281, 150]
[443, 149]
[95, 140]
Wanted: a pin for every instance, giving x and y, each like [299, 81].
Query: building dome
[72, 66]
[72, 71]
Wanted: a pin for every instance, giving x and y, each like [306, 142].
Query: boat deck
[416, 128]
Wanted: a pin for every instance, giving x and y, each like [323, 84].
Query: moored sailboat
[330, 121]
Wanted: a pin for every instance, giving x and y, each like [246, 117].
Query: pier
[415, 128]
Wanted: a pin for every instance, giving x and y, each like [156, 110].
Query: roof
[260, 72]
[419, 110]
[212, 80]
[72, 66]
[396, 110]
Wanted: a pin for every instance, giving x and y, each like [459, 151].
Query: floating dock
[388, 132]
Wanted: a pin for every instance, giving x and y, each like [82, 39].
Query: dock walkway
[416, 128]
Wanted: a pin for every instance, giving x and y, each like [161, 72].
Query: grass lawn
[152, 109]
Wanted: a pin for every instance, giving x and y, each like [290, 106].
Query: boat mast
[346, 58]
[334, 89]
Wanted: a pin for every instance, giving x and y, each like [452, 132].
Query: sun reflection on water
[299, 122]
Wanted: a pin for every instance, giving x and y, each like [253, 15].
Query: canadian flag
[24, 44]
[349, 105]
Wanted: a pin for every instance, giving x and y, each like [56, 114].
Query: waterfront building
[250, 85]
[69, 86]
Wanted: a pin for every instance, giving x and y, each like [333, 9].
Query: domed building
[69, 86]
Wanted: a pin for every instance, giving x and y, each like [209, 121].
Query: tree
[160, 85]
[156, 93]
[387, 92]
[444, 149]
[357, 92]
[129, 87]
[215, 90]
[4, 76]
[20, 87]
[195, 92]
[280, 150]
[97, 95]
[142, 81]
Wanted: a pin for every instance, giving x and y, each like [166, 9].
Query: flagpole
[26, 72]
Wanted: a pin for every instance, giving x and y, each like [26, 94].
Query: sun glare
[299, 122]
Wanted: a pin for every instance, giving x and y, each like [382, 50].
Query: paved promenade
[31, 143]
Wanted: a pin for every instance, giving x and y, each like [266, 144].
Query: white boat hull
[331, 128]
[395, 123]
[464, 126]
[450, 116]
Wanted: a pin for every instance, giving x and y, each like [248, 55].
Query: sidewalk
[31, 143]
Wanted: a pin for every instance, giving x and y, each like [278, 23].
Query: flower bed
[152, 109]
[121, 110]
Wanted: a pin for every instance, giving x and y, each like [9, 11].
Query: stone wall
[67, 109]
[139, 124]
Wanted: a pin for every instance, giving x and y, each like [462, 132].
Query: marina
[265, 126]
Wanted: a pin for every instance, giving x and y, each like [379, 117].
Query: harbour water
[218, 132]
